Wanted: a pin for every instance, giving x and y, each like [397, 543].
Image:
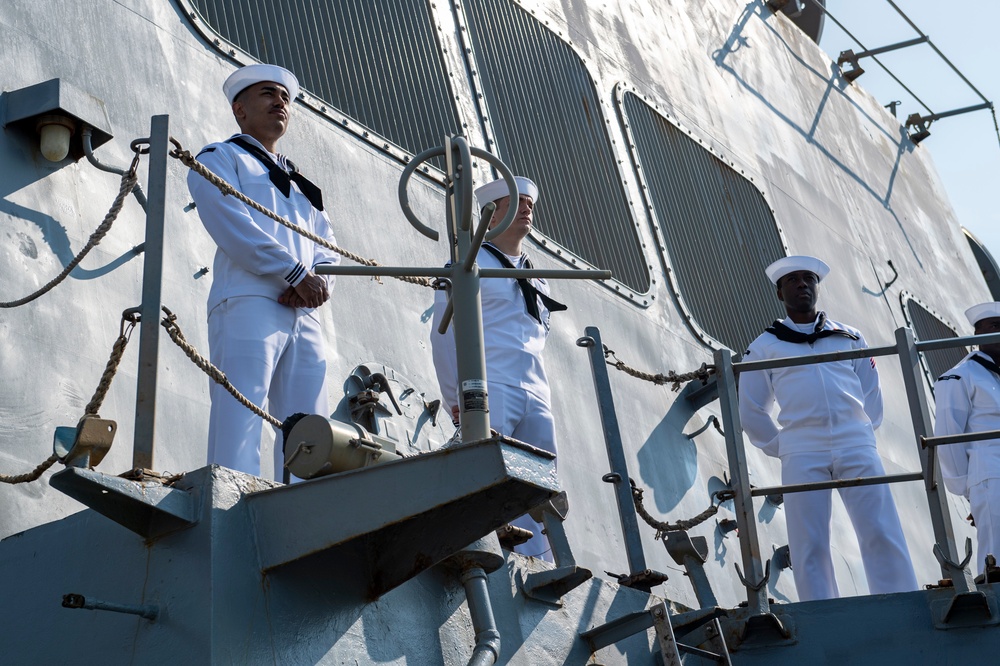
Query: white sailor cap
[786, 265]
[498, 190]
[977, 313]
[245, 77]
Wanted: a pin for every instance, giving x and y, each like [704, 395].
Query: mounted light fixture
[55, 132]
[56, 112]
[920, 127]
[851, 58]
[922, 123]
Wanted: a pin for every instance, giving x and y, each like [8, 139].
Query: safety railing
[907, 349]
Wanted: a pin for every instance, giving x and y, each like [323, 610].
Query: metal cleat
[85, 445]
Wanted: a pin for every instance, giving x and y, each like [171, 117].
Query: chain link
[675, 380]
[661, 527]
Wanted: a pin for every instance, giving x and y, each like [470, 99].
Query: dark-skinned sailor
[968, 400]
[826, 421]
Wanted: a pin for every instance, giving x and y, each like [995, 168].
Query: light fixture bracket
[23, 108]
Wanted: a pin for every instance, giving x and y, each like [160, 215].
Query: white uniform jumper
[268, 351]
[827, 415]
[516, 384]
[968, 400]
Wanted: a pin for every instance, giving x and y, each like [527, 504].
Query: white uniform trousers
[984, 498]
[872, 511]
[517, 413]
[271, 353]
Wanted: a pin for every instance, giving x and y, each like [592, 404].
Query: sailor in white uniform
[827, 417]
[968, 400]
[515, 326]
[264, 332]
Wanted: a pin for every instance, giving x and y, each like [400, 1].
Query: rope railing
[129, 320]
[128, 323]
[129, 180]
[674, 379]
[169, 322]
[185, 157]
[663, 528]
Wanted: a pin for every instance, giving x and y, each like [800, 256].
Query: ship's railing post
[465, 293]
[755, 578]
[907, 349]
[619, 476]
[944, 534]
[152, 274]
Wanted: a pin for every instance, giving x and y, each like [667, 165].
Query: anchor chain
[129, 180]
[185, 157]
[674, 379]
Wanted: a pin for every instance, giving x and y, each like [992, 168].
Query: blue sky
[965, 148]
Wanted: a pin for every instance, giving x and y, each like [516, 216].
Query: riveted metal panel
[927, 325]
[543, 117]
[716, 229]
[376, 61]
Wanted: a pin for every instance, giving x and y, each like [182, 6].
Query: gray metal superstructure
[230, 569]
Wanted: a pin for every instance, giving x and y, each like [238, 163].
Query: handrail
[906, 348]
[960, 439]
[839, 483]
[865, 352]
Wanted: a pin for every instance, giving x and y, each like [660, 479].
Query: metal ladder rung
[670, 649]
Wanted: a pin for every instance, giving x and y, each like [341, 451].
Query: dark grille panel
[376, 61]
[926, 326]
[718, 229]
[548, 125]
[987, 264]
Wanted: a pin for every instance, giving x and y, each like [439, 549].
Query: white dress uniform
[270, 352]
[827, 417]
[968, 400]
[516, 384]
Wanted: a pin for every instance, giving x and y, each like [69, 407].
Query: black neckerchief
[528, 290]
[787, 334]
[281, 178]
[986, 363]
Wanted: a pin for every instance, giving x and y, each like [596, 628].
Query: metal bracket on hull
[147, 508]
[691, 553]
[743, 629]
[390, 522]
[966, 609]
[549, 586]
[700, 394]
